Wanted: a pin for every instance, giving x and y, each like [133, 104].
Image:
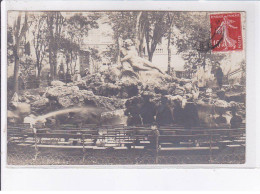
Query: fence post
[210, 148]
[156, 144]
[83, 144]
[134, 141]
[35, 145]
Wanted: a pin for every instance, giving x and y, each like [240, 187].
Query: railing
[157, 141]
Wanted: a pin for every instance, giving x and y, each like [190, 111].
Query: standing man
[133, 112]
[190, 114]
[164, 114]
[21, 82]
[49, 78]
[236, 120]
[61, 73]
[148, 110]
[219, 75]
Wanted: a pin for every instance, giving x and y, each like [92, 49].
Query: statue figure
[138, 68]
[130, 55]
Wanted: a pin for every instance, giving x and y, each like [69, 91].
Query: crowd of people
[142, 110]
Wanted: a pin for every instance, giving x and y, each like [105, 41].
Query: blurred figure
[86, 72]
[76, 76]
[21, 82]
[148, 111]
[154, 138]
[68, 77]
[210, 121]
[236, 120]
[190, 114]
[61, 73]
[31, 119]
[200, 78]
[164, 114]
[178, 112]
[49, 78]
[133, 112]
[221, 121]
[219, 75]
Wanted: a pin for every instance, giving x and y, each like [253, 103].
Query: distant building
[160, 58]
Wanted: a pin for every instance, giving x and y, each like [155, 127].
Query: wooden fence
[160, 140]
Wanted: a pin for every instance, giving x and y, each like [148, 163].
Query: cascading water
[82, 110]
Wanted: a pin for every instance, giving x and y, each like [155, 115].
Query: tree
[124, 26]
[55, 22]
[19, 29]
[77, 27]
[10, 45]
[194, 43]
[71, 51]
[170, 19]
[139, 26]
[155, 28]
[40, 41]
[139, 41]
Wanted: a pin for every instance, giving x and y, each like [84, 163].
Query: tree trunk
[150, 43]
[137, 35]
[141, 41]
[16, 69]
[75, 65]
[53, 38]
[55, 64]
[39, 71]
[169, 51]
[150, 56]
[118, 57]
[151, 52]
[147, 39]
[51, 63]
[19, 32]
[67, 64]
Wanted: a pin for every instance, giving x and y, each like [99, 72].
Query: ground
[18, 155]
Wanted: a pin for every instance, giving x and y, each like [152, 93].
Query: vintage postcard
[126, 87]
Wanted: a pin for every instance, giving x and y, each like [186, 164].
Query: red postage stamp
[226, 32]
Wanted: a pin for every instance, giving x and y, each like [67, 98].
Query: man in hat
[164, 114]
[148, 110]
[219, 75]
[190, 113]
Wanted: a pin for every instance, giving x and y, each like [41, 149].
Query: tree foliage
[140, 26]
[40, 41]
[55, 23]
[123, 25]
[51, 33]
[20, 27]
[76, 28]
[156, 25]
[195, 42]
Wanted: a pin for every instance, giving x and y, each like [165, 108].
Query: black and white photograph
[126, 87]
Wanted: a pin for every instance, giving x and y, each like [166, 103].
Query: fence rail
[125, 145]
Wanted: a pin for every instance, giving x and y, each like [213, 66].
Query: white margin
[25, 176]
